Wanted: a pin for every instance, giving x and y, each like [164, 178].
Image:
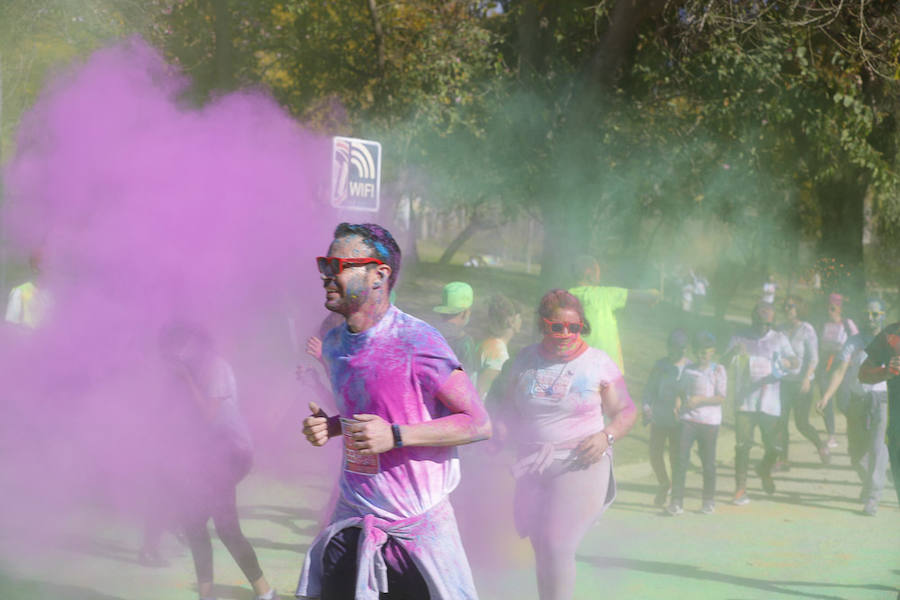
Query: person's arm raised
[650, 297]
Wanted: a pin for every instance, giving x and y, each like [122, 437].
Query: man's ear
[382, 274]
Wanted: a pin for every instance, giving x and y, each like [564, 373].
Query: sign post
[355, 174]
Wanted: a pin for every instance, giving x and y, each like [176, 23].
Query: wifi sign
[355, 174]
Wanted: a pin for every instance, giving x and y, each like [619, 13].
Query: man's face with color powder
[348, 290]
[874, 317]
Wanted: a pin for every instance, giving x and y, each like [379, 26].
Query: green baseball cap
[458, 296]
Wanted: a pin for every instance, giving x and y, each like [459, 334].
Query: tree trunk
[617, 43]
[842, 228]
[566, 235]
[475, 225]
[224, 51]
[412, 251]
[567, 224]
[379, 35]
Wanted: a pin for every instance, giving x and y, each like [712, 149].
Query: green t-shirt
[600, 306]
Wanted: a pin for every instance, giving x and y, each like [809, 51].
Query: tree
[767, 116]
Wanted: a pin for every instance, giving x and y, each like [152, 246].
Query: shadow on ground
[285, 516]
[230, 592]
[101, 548]
[23, 589]
[764, 585]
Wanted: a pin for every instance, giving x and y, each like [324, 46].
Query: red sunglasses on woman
[558, 327]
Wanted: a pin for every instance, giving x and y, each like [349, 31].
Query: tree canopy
[610, 120]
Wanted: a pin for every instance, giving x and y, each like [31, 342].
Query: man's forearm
[452, 430]
[871, 374]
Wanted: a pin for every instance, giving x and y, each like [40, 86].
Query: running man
[403, 403]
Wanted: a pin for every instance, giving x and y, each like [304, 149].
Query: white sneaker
[674, 510]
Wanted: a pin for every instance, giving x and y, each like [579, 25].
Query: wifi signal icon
[362, 161]
[355, 174]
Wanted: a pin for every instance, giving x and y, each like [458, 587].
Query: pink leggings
[555, 510]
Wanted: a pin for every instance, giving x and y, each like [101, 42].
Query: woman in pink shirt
[565, 404]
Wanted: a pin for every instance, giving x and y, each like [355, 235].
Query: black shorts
[405, 582]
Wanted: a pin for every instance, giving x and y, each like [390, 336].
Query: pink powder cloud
[146, 209]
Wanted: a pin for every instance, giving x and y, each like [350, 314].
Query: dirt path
[809, 540]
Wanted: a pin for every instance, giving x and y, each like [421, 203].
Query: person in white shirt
[28, 303]
[761, 356]
[704, 385]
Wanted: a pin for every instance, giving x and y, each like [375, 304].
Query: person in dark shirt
[866, 409]
[659, 408]
[883, 364]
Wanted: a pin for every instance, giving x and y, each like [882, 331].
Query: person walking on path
[404, 403]
[218, 454]
[704, 386]
[835, 332]
[867, 410]
[761, 356]
[565, 404]
[883, 364]
[659, 411]
[796, 388]
[601, 304]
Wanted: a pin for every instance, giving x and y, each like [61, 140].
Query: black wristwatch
[398, 440]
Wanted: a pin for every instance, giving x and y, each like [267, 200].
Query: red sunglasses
[332, 265]
[558, 327]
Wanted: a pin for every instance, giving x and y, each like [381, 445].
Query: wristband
[398, 440]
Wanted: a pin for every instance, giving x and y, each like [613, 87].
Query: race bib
[354, 461]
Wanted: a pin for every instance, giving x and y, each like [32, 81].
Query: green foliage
[37, 36]
[801, 88]
[320, 59]
[605, 118]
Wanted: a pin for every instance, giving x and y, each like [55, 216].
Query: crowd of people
[408, 392]
[773, 372]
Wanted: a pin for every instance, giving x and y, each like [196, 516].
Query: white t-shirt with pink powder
[559, 402]
[393, 370]
[708, 382]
